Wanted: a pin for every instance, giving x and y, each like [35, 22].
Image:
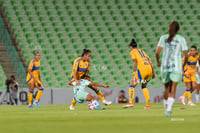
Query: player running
[143, 70]
[172, 45]
[81, 66]
[198, 82]
[33, 79]
[80, 95]
[189, 77]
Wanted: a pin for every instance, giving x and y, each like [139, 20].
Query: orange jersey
[141, 57]
[35, 68]
[81, 66]
[191, 63]
[144, 70]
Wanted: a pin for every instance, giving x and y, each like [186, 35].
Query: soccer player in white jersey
[81, 96]
[172, 45]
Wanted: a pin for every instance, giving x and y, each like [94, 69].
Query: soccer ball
[90, 106]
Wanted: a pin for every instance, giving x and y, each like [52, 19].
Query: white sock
[170, 103]
[165, 103]
[95, 103]
[197, 98]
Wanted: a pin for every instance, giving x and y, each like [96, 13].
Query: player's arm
[75, 72]
[159, 49]
[70, 83]
[197, 70]
[185, 59]
[13, 87]
[100, 85]
[39, 79]
[88, 69]
[133, 80]
[150, 62]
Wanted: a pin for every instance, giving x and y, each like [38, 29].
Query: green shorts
[81, 96]
[198, 79]
[173, 76]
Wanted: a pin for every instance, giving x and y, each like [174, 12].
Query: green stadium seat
[105, 27]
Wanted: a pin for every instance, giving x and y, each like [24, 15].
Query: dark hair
[13, 77]
[173, 29]
[193, 46]
[85, 52]
[122, 91]
[133, 43]
[85, 76]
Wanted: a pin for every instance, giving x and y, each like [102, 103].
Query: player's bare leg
[194, 86]
[100, 95]
[166, 94]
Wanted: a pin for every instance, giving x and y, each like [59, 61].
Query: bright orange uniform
[190, 68]
[81, 66]
[35, 67]
[144, 70]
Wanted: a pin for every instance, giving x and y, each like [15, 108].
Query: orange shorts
[192, 77]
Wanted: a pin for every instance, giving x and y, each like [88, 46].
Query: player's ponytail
[173, 29]
[85, 52]
[133, 43]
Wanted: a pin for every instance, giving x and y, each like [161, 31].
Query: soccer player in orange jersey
[143, 71]
[33, 79]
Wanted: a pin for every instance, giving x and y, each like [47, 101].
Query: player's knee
[194, 87]
[89, 97]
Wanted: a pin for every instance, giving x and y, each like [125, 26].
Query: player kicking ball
[81, 96]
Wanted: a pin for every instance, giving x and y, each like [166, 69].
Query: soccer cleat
[31, 106]
[107, 102]
[98, 107]
[37, 104]
[181, 98]
[128, 105]
[168, 113]
[191, 104]
[147, 107]
[71, 107]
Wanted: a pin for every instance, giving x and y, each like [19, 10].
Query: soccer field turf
[58, 119]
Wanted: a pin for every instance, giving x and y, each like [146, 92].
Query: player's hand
[153, 76]
[78, 83]
[158, 64]
[106, 86]
[187, 75]
[35, 80]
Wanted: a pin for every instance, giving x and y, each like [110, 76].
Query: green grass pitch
[115, 119]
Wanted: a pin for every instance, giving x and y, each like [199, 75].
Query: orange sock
[73, 102]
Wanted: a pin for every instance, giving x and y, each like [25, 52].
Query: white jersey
[84, 83]
[171, 58]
